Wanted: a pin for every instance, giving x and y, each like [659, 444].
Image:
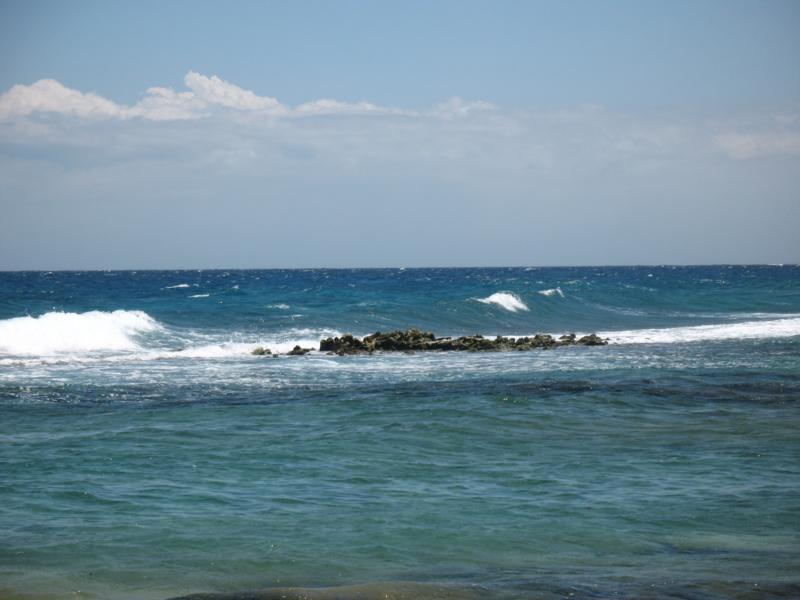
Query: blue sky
[266, 134]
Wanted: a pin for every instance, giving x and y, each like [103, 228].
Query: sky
[398, 134]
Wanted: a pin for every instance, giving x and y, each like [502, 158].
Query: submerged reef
[388, 590]
[414, 340]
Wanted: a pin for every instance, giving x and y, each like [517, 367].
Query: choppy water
[144, 453]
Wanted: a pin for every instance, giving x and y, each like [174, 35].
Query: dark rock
[592, 340]
[298, 351]
[413, 340]
[261, 351]
[347, 344]
[468, 343]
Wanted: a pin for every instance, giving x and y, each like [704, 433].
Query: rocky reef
[414, 340]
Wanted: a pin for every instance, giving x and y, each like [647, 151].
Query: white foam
[280, 306]
[238, 345]
[552, 292]
[63, 333]
[237, 349]
[774, 328]
[175, 287]
[507, 300]
[200, 296]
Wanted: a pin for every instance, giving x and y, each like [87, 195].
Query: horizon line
[595, 266]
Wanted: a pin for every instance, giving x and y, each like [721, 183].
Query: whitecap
[175, 287]
[63, 332]
[240, 345]
[507, 300]
[774, 328]
[200, 296]
[552, 292]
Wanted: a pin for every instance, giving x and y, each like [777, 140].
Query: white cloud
[48, 95]
[165, 104]
[743, 146]
[456, 107]
[203, 95]
[214, 91]
[335, 107]
[454, 131]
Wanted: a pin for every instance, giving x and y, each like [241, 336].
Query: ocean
[145, 453]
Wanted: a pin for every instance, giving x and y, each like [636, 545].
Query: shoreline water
[147, 454]
[664, 587]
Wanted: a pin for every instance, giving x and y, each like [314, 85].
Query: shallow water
[146, 454]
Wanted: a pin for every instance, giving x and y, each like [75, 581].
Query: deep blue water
[145, 453]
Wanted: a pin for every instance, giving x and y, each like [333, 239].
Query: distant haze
[357, 134]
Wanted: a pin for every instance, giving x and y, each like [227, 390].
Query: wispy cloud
[456, 138]
[458, 107]
[335, 107]
[743, 146]
[76, 166]
[202, 97]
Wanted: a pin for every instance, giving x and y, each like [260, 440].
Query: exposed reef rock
[347, 344]
[298, 351]
[592, 340]
[414, 340]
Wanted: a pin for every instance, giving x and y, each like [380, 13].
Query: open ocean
[146, 454]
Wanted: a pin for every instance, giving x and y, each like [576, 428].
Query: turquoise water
[145, 453]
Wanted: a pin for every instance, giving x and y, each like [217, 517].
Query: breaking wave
[135, 335]
[132, 335]
[507, 300]
[62, 332]
[552, 292]
[774, 328]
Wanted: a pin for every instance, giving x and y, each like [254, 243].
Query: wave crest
[507, 300]
[64, 332]
[552, 292]
[775, 328]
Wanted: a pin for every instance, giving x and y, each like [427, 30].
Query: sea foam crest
[774, 328]
[64, 332]
[552, 292]
[239, 344]
[507, 300]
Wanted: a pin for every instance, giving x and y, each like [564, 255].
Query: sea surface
[145, 453]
